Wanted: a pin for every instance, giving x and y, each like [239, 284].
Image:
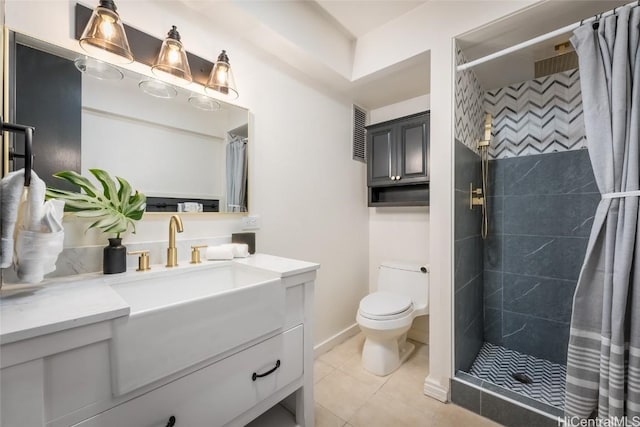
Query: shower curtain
[237, 174]
[603, 366]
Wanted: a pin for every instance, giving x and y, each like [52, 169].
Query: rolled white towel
[239, 250]
[219, 253]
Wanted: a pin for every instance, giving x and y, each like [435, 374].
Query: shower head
[565, 59]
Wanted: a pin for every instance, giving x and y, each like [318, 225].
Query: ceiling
[316, 39]
[400, 82]
[519, 66]
[358, 17]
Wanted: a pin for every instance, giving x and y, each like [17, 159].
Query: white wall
[399, 233]
[303, 183]
[400, 109]
[433, 27]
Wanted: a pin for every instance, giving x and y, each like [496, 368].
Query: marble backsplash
[88, 259]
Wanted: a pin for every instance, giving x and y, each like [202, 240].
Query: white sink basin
[182, 316]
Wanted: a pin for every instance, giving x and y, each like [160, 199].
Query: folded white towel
[36, 254]
[239, 250]
[219, 253]
[37, 251]
[52, 218]
[20, 205]
[32, 233]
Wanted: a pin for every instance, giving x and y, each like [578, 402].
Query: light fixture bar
[145, 47]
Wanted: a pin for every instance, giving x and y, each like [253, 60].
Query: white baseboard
[333, 341]
[435, 390]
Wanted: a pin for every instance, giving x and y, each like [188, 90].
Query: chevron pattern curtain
[603, 366]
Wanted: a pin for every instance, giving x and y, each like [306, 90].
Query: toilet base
[382, 357]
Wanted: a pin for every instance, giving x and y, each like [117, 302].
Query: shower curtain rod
[538, 39]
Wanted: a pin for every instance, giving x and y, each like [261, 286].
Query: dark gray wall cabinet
[398, 161]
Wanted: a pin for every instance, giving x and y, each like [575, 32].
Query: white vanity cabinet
[65, 377]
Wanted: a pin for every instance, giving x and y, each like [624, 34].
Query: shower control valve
[475, 196]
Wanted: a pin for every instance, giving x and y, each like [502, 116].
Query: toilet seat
[385, 306]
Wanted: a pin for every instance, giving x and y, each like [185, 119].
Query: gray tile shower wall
[541, 210]
[468, 273]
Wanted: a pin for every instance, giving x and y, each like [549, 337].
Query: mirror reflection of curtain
[236, 174]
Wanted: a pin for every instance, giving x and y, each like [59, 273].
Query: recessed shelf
[399, 195]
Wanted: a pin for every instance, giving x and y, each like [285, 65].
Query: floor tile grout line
[440, 416]
[331, 412]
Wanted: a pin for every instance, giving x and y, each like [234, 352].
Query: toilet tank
[404, 278]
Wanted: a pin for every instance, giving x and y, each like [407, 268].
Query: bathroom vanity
[213, 344]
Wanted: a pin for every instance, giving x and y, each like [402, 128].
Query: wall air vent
[359, 137]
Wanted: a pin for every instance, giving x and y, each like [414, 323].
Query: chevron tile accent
[469, 105]
[496, 364]
[537, 116]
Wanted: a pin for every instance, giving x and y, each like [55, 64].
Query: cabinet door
[381, 163]
[412, 151]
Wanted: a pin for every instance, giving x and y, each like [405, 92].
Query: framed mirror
[186, 152]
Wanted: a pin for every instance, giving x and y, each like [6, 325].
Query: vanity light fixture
[104, 35]
[172, 60]
[221, 79]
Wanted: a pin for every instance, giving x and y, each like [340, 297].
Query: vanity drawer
[216, 394]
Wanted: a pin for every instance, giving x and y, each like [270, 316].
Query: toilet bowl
[385, 316]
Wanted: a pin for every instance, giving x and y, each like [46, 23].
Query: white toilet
[385, 316]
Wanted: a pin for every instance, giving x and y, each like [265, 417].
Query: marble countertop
[28, 311]
[285, 267]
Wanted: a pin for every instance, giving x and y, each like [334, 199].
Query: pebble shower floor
[497, 364]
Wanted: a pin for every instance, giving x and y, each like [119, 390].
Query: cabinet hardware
[398, 177]
[172, 421]
[393, 178]
[255, 376]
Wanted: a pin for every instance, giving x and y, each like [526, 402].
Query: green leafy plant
[114, 209]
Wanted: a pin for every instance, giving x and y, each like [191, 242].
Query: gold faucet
[175, 223]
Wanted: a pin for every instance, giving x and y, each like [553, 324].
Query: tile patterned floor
[348, 396]
[496, 364]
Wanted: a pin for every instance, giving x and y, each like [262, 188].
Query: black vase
[115, 257]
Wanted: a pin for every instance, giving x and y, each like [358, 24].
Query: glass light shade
[172, 60]
[104, 35]
[158, 88]
[204, 102]
[221, 79]
[98, 69]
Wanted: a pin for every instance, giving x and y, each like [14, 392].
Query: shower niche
[513, 290]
